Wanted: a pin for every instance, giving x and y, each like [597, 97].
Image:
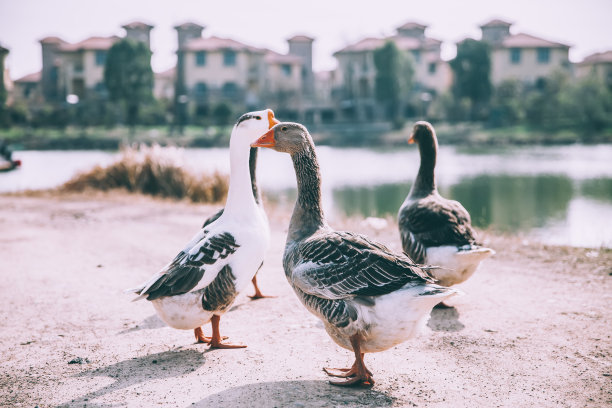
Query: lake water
[559, 194]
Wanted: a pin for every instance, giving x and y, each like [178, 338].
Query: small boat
[6, 161]
[8, 165]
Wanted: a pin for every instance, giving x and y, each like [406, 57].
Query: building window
[100, 58]
[515, 55]
[201, 89]
[229, 58]
[100, 88]
[286, 69]
[416, 54]
[229, 90]
[432, 68]
[543, 55]
[200, 58]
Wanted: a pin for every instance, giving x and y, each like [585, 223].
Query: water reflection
[563, 194]
[514, 203]
[504, 202]
[599, 189]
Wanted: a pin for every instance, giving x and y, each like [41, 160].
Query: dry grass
[154, 171]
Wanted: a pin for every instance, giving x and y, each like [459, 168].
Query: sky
[585, 24]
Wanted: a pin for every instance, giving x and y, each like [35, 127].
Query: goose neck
[425, 181]
[253, 172]
[240, 198]
[307, 214]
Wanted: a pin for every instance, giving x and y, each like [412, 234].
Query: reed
[152, 170]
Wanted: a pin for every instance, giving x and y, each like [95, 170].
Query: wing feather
[186, 270]
[339, 265]
[434, 221]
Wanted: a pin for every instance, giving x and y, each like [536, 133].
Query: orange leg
[199, 335]
[258, 294]
[344, 372]
[215, 341]
[358, 374]
[200, 338]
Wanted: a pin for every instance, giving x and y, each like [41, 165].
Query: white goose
[433, 229]
[202, 281]
[259, 201]
[368, 298]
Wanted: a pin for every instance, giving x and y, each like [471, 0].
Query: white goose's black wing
[213, 218]
[434, 221]
[187, 269]
[341, 265]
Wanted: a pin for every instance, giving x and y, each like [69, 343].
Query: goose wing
[188, 268]
[435, 221]
[338, 265]
[213, 218]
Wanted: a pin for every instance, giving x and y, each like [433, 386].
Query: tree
[472, 71]
[128, 77]
[394, 73]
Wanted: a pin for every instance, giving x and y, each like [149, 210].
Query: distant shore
[343, 135]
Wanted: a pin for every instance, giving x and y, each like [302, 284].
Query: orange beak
[411, 139]
[271, 119]
[267, 140]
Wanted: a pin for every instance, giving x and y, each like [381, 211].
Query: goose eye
[258, 117]
[284, 128]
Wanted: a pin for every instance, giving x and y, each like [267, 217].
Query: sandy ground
[533, 328]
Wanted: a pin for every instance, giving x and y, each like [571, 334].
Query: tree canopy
[394, 73]
[472, 75]
[128, 76]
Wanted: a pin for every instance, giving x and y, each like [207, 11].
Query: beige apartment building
[521, 56]
[73, 71]
[356, 72]
[598, 64]
[211, 70]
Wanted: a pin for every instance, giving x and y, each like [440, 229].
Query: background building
[356, 72]
[598, 64]
[522, 57]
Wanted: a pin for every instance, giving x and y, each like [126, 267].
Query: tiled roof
[52, 40]
[411, 25]
[216, 43]
[366, 44]
[598, 57]
[301, 38]
[91, 43]
[137, 24]
[496, 23]
[523, 40]
[188, 25]
[169, 73]
[34, 77]
[402, 42]
[276, 58]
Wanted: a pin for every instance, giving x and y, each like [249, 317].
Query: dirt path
[533, 329]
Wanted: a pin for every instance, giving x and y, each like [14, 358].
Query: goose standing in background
[368, 298]
[203, 280]
[259, 201]
[433, 229]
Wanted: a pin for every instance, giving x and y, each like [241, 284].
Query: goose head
[423, 134]
[252, 125]
[286, 137]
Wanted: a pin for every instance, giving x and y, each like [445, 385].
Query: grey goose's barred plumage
[368, 298]
[435, 230]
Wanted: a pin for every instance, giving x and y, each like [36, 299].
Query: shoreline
[531, 330]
